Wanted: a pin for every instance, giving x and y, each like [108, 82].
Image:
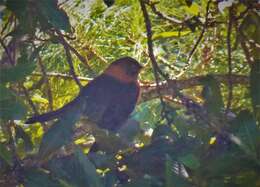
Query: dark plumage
[108, 100]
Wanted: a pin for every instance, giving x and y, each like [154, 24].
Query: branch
[163, 16]
[61, 75]
[46, 80]
[80, 57]
[149, 91]
[229, 51]
[149, 34]
[156, 69]
[28, 98]
[69, 58]
[198, 40]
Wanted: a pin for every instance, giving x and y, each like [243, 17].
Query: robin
[107, 100]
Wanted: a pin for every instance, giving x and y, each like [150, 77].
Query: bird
[107, 100]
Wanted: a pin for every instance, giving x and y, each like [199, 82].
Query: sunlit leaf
[250, 27]
[38, 99]
[170, 34]
[194, 9]
[20, 133]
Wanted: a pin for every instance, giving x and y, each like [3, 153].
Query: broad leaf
[20, 133]
[5, 93]
[58, 135]
[170, 34]
[24, 67]
[5, 154]
[39, 178]
[247, 132]
[212, 94]
[55, 16]
[12, 109]
[77, 170]
[190, 160]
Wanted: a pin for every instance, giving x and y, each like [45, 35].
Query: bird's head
[125, 69]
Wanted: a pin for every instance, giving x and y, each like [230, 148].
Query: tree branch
[69, 58]
[229, 51]
[46, 80]
[163, 16]
[149, 91]
[191, 53]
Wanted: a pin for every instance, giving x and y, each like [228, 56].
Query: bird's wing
[97, 96]
[120, 107]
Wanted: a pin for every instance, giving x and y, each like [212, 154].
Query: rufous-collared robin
[107, 100]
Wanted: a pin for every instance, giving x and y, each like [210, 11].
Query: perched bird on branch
[108, 100]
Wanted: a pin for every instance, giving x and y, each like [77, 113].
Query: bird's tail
[55, 114]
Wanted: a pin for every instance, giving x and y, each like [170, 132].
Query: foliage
[186, 138]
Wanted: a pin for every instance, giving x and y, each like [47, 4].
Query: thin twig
[61, 75]
[46, 80]
[80, 57]
[149, 34]
[149, 91]
[10, 18]
[27, 96]
[7, 52]
[191, 53]
[163, 16]
[156, 69]
[69, 58]
[229, 51]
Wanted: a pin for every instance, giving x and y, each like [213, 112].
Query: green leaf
[171, 178]
[55, 16]
[5, 154]
[247, 132]
[76, 169]
[39, 99]
[20, 133]
[212, 94]
[88, 168]
[5, 93]
[12, 110]
[255, 88]
[217, 183]
[17, 6]
[23, 68]
[170, 34]
[39, 178]
[250, 27]
[58, 135]
[190, 160]
[194, 9]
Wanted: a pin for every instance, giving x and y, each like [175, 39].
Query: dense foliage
[197, 121]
